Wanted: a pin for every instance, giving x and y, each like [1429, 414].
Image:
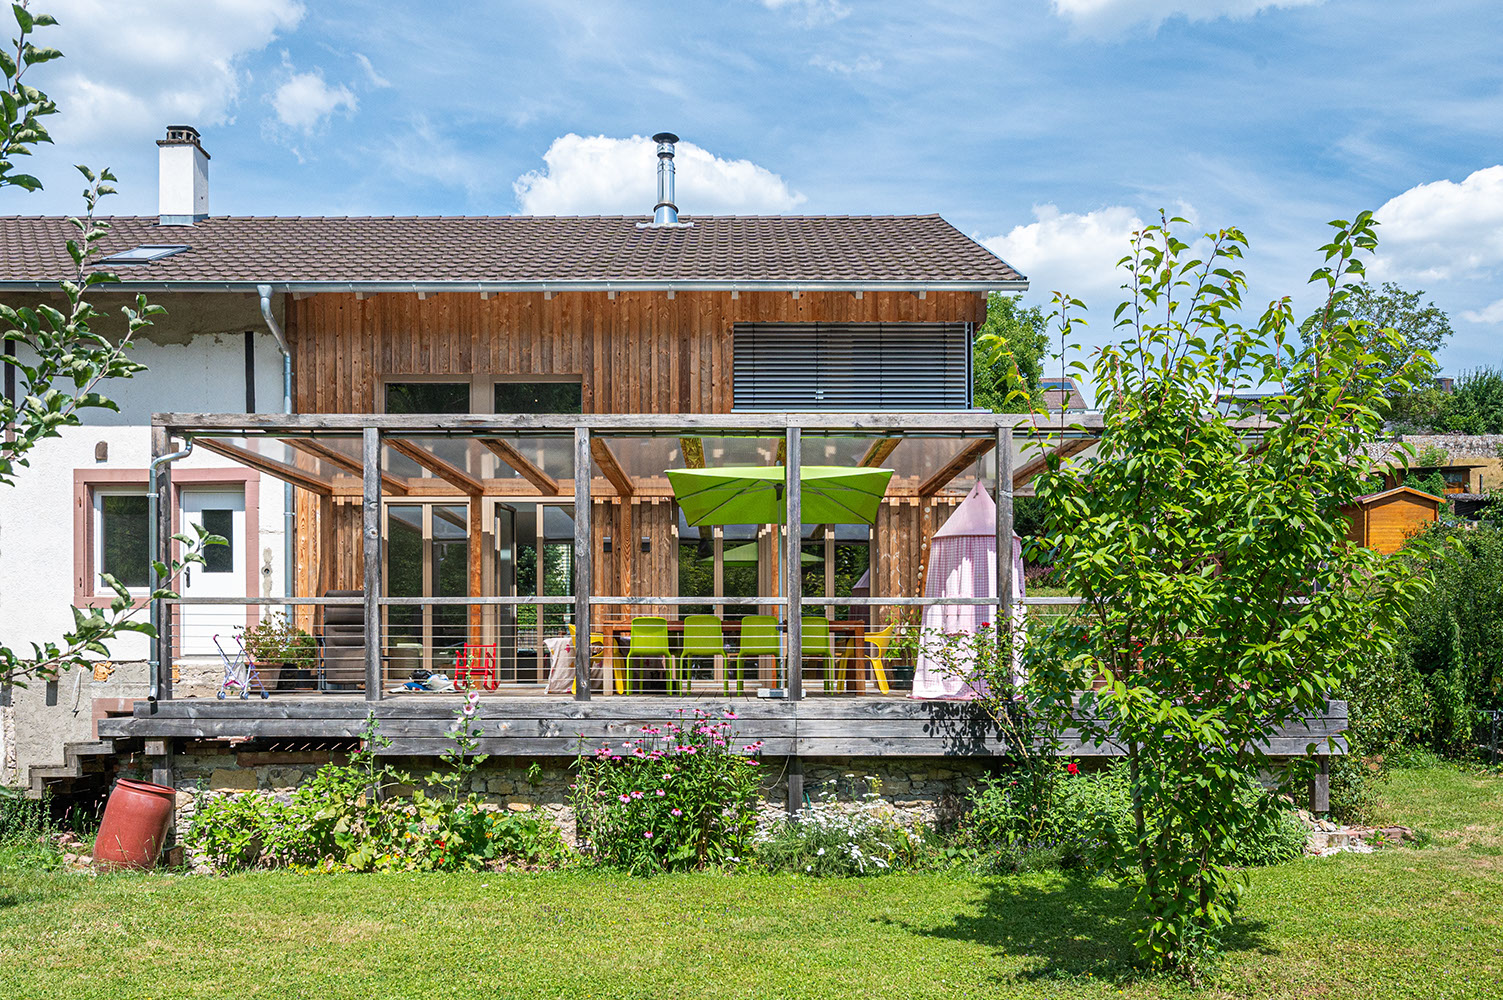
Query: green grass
[1396, 924]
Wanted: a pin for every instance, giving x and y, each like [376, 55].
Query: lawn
[1399, 923]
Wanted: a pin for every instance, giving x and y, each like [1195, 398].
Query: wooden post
[582, 551]
[159, 756]
[1004, 620]
[795, 784]
[794, 495]
[371, 537]
[161, 444]
[1320, 787]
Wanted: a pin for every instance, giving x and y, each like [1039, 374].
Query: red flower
[1072, 768]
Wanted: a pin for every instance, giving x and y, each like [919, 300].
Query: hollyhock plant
[679, 796]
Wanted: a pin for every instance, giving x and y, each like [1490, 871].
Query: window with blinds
[852, 366]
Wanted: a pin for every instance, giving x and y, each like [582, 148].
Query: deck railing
[509, 645]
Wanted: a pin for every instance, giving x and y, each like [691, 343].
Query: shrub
[679, 797]
[348, 818]
[831, 838]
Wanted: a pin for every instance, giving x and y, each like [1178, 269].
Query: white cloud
[810, 13]
[303, 100]
[1101, 17]
[1074, 253]
[375, 78]
[1491, 314]
[132, 68]
[585, 175]
[1443, 231]
[858, 66]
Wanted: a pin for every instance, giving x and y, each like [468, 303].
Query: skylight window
[143, 254]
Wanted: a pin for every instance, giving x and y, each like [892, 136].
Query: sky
[1047, 129]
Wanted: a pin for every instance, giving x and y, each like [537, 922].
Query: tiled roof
[918, 249]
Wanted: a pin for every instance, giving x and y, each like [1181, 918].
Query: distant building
[1384, 521]
[1062, 394]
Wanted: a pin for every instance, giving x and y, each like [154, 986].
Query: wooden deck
[558, 726]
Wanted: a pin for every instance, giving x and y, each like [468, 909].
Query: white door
[218, 511]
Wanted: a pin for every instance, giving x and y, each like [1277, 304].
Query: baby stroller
[240, 673]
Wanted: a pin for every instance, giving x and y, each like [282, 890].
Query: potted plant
[276, 644]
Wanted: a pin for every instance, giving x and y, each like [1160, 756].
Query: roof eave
[434, 287]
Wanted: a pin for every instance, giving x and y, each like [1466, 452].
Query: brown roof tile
[920, 249]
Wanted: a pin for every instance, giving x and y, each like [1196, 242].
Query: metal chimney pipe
[665, 212]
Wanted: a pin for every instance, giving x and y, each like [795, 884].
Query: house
[1385, 520]
[1062, 394]
[1457, 477]
[437, 444]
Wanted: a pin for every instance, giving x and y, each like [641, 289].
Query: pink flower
[636, 795]
[646, 834]
[660, 793]
[676, 811]
[473, 697]
[732, 715]
[624, 798]
[755, 763]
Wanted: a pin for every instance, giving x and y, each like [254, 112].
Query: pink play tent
[963, 563]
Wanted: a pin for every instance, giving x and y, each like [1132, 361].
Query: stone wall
[923, 790]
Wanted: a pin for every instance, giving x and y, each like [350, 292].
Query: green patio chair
[759, 637]
[817, 646]
[704, 636]
[649, 637]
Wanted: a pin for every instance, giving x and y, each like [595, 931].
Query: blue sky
[1049, 130]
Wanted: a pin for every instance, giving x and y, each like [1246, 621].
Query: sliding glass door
[427, 555]
[534, 558]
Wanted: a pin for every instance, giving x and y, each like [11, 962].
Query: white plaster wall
[186, 372]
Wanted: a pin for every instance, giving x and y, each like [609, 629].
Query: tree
[1222, 600]
[1423, 328]
[1009, 352]
[61, 359]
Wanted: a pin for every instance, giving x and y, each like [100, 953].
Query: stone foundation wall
[923, 790]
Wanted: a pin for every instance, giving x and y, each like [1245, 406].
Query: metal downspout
[289, 517]
[153, 536]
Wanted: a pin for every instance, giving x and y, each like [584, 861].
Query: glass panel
[427, 397]
[451, 574]
[558, 564]
[696, 566]
[220, 558]
[539, 397]
[124, 543]
[404, 570]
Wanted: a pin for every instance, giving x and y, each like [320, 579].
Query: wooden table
[849, 638]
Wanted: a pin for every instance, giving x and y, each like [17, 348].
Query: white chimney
[182, 178]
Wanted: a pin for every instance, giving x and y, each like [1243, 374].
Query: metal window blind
[852, 366]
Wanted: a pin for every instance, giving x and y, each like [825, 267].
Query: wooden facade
[636, 352]
[631, 352]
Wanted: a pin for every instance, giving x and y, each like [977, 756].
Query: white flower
[820, 852]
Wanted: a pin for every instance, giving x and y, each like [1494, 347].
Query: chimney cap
[183, 135]
[662, 137]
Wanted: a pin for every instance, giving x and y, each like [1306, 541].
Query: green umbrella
[748, 554]
[753, 494]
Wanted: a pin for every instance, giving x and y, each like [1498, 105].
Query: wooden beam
[1034, 466]
[877, 452]
[506, 452]
[371, 544]
[340, 460]
[969, 454]
[793, 496]
[608, 465]
[455, 477]
[280, 470]
[693, 450]
[583, 571]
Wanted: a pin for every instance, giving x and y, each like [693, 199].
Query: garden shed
[1383, 521]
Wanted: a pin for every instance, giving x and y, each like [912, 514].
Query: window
[852, 366]
[122, 538]
[220, 558]
[539, 397]
[427, 397]
[144, 254]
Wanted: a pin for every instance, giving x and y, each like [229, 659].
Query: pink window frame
[86, 481]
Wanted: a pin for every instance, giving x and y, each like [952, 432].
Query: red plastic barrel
[135, 823]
